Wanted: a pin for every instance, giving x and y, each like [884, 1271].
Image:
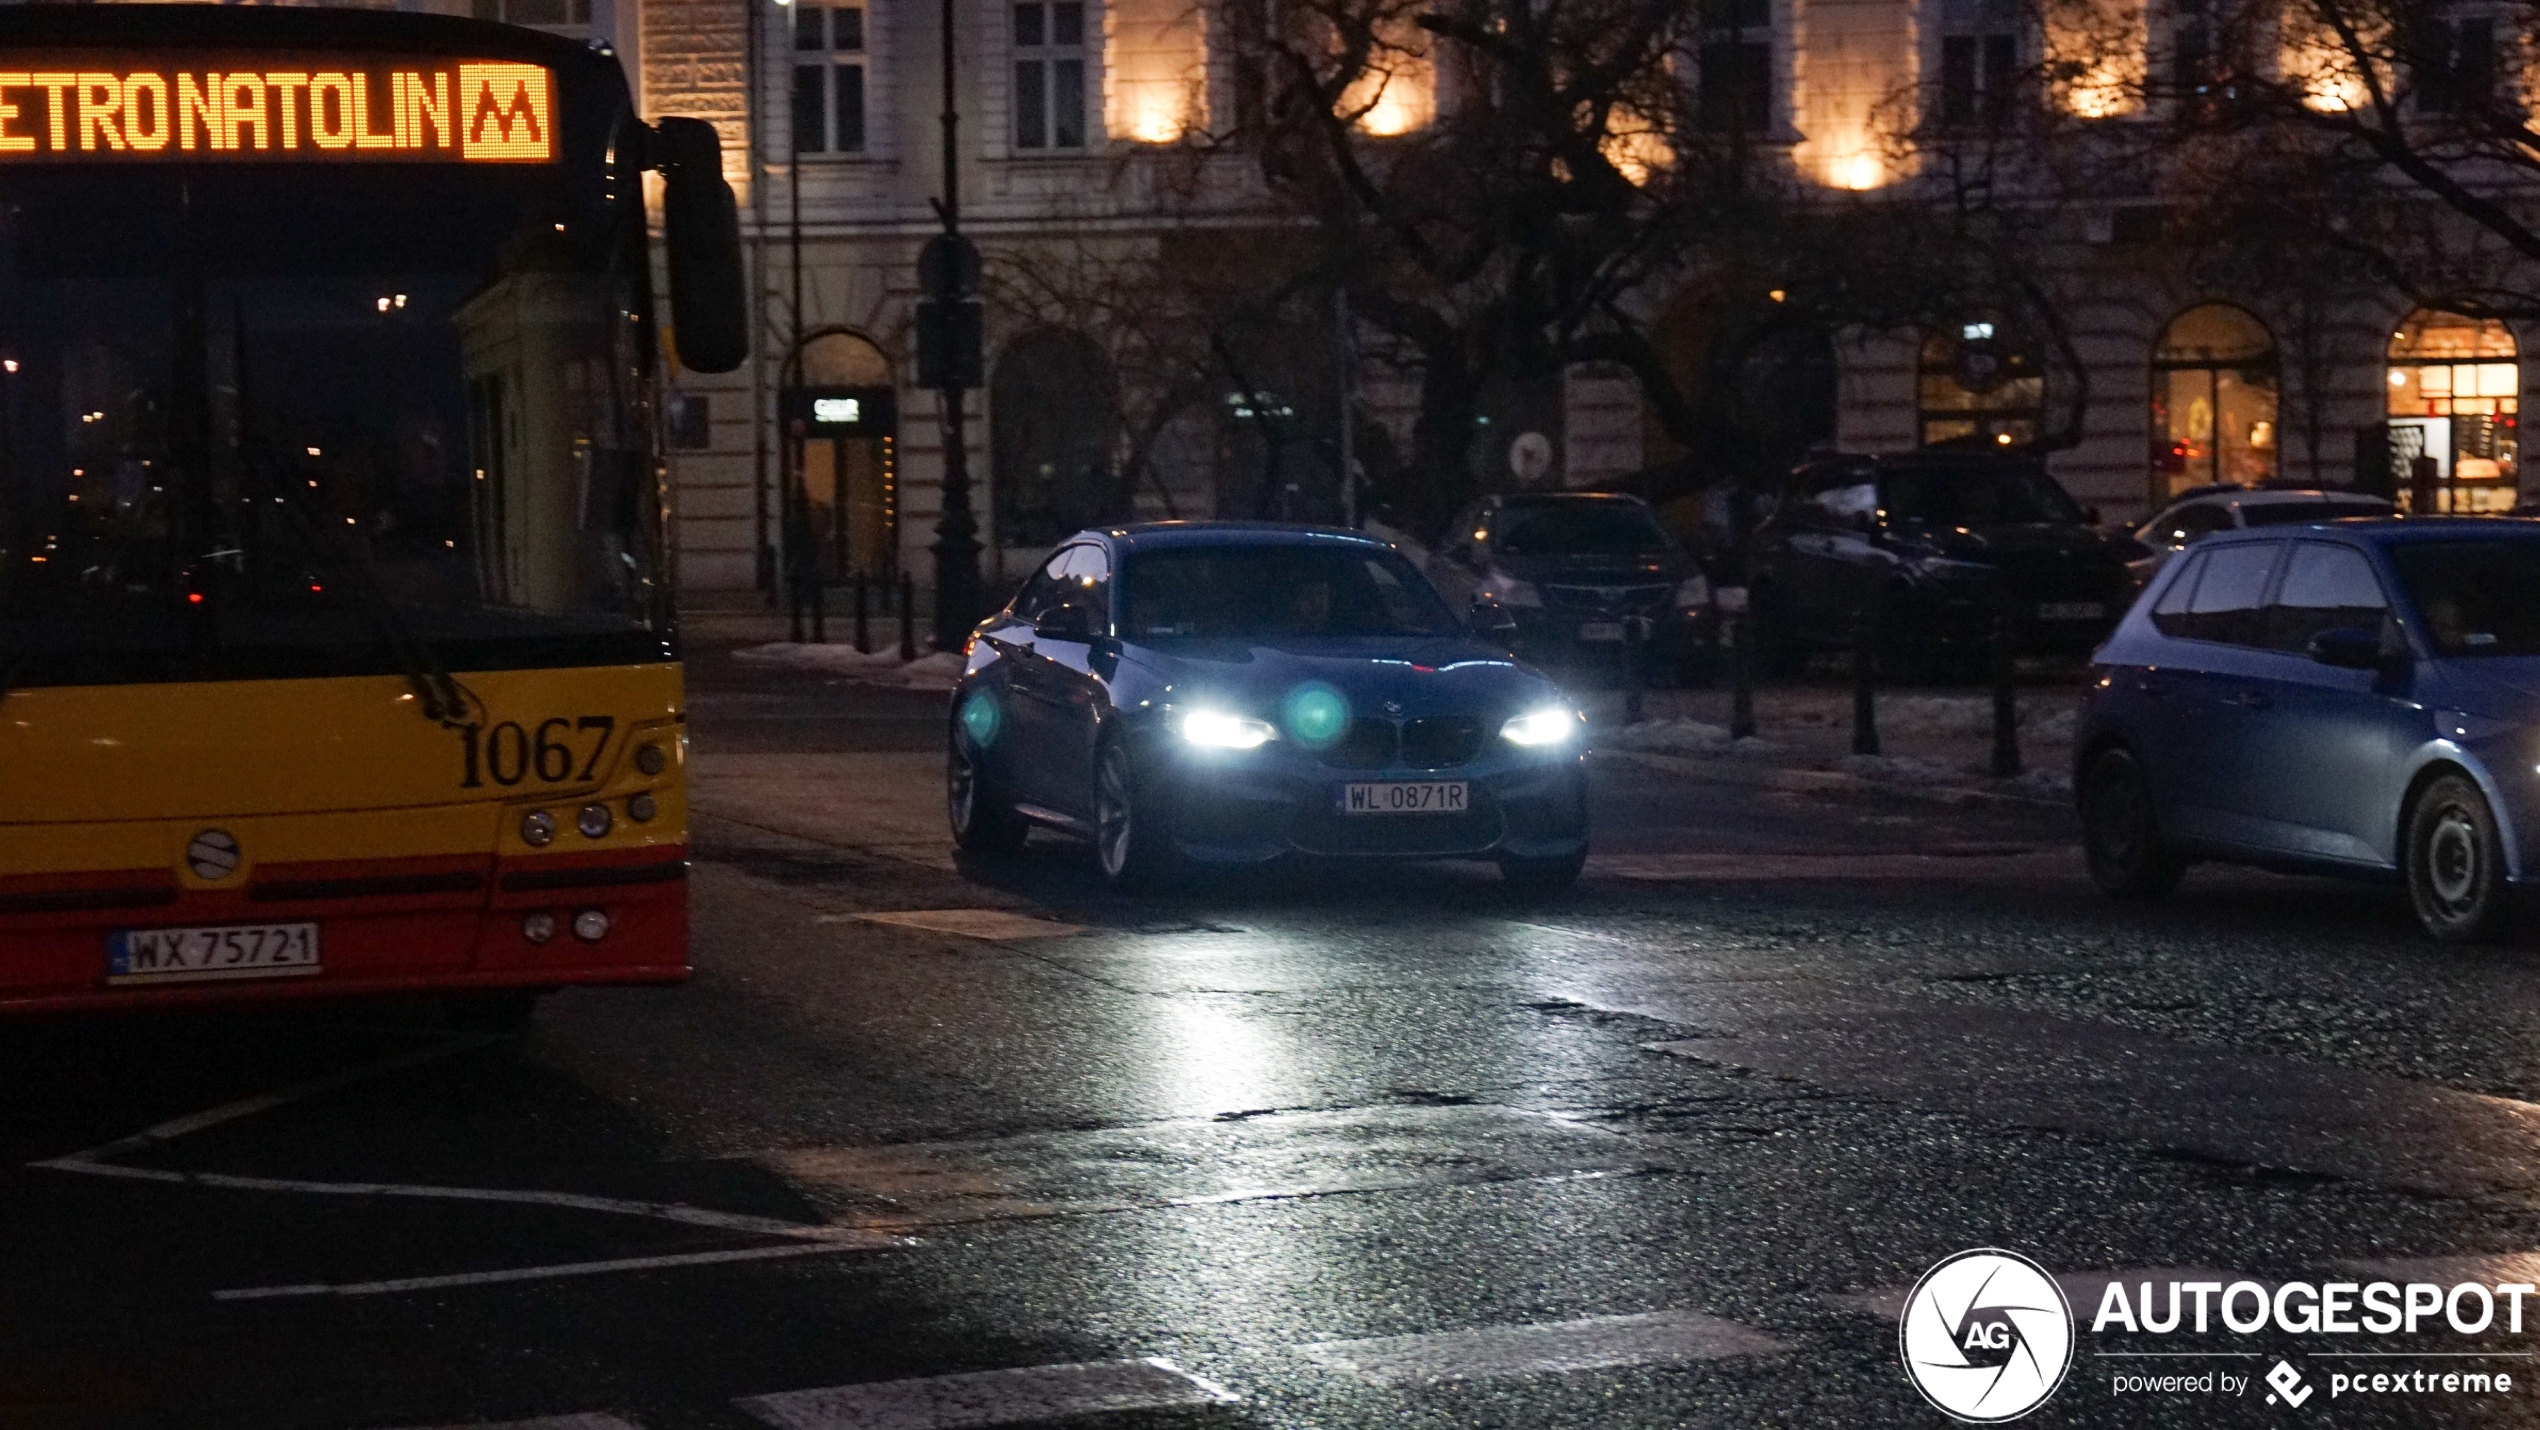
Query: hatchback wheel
[2456, 864]
[1131, 847]
[2121, 833]
[982, 821]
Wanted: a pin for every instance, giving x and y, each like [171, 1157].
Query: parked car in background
[1231, 693]
[1562, 572]
[2357, 699]
[1934, 548]
[2202, 511]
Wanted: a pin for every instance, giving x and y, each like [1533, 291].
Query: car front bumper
[1252, 807]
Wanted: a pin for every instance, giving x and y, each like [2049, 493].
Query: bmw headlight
[1551, 725]
[1509, 591]
[1219, 730]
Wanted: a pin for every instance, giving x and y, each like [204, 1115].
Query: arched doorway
[840, 408]
[2455, 394]
[1981, 383]
[1053, 429]
[2213, 401]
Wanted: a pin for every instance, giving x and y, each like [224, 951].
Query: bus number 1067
[510, 752]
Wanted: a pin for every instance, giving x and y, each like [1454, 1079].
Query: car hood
[2024, 544]
[1441, 676]
[1585, 570]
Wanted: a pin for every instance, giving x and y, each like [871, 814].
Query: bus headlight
[1551, 725]
[651, 759]
[537, 828]
[641, 808]
[594, 821]
[1219, 730]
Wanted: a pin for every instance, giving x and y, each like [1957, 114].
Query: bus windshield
[255, 422]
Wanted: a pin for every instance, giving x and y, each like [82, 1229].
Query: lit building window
[1049, 76]
[1734, 74]
[828, 79]
[1981, 384]
[2213, 401]
[2455, 394]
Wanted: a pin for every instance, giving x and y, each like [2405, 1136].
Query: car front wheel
[1131, 847]
[2121, 833]
[2456, 864]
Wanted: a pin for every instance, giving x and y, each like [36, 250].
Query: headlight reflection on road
[1551, 725]
[1223, 731]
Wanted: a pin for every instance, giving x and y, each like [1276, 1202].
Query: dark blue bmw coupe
[1230, 694]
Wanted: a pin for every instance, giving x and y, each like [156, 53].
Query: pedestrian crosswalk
[1496, 1352]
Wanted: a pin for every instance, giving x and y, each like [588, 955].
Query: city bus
[337, 650]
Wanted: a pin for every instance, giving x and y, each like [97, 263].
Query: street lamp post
[948, 344]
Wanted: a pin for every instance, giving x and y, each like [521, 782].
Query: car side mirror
[2350, 648]
[1065, 623]
[701, 228]
[1495, 623]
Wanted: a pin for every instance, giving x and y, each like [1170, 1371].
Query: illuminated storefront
[2213, 401]
[2455, 395]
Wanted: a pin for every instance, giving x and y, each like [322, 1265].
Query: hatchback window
[2225, 605]
[2181, 525]
[2325, 588]
[2169, 614]
[1578, 528]
[2477, 597]
[1975, 496]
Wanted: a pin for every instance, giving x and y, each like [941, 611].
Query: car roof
[1968, 459]
[2390, 530]
[1564, 498]
[1167, 535]
[2279, 496]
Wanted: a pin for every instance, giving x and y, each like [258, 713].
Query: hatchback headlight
[1220, 730]
[1551, 725]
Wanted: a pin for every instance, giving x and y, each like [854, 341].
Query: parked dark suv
[1568, 569]
[1935, 547]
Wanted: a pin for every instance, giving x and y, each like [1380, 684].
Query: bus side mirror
[701, 223]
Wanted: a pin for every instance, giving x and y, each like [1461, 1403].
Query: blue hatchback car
[1231, 694]
[2356, 698]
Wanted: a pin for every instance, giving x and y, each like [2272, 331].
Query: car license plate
[2071, 611]
[193, 955]
[1601, 631]
[1422, 797]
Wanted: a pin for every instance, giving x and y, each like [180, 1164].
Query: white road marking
[550, 1422]
[1497, 1352]
[990, 1397]
[533, 1273]
[995, 925]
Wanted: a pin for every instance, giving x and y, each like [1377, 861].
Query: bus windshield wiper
[441, 696]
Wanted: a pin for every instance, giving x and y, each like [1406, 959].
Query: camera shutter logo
[1986, 1336]
[213, 856]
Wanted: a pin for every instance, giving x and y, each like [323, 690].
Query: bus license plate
[196, 954]
[2071, 611]
[1601, 631]
[1423, 797]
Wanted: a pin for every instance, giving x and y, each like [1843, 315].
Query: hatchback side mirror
[2351, 648]
[701, 228]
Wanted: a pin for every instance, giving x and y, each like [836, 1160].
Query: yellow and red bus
[337, 650]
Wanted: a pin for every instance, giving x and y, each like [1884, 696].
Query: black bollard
[819, 610]
[863, 626]
[2006, 699]
[908, 617]
[1865, 715]
[1738, 632]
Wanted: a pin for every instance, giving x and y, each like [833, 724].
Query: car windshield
[1578, 528]
[1269, 592]
[2476, 597]
[1975, 496]
[235, 447]
[2296, 513]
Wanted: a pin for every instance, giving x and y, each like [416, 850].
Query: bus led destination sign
[291, 110]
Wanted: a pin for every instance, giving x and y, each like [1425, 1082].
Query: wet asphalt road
[1321, 1146]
